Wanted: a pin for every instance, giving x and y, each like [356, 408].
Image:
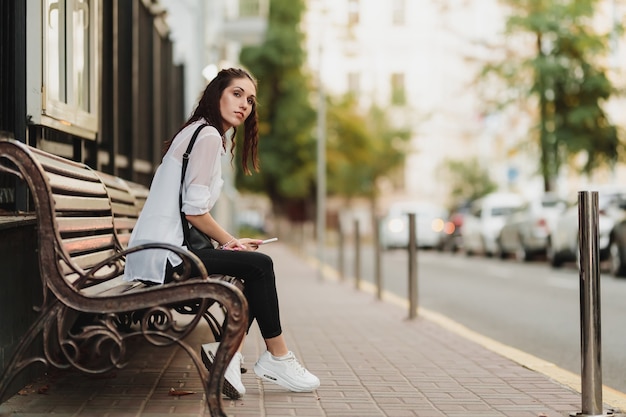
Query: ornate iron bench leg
[18, 362]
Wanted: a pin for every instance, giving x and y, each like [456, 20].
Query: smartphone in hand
[263, 242]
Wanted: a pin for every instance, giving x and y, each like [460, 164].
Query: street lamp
[321, 177]
[321, 164]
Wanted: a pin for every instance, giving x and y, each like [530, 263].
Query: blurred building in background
[419, 59]
[133, 72]
[208, 35]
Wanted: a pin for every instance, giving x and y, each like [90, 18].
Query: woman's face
[236, 102]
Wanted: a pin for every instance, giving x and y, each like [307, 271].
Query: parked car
[563, 242]
[451, 238]
[429, 222]
[482, 225]
[526, 232]
[617, 246]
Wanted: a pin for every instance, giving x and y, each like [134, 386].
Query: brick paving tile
[371, 360]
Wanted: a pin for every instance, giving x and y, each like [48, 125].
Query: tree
[567, 77]
[468, 180]
[361, 149]
[287, 146]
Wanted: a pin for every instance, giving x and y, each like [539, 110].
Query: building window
[353, 12]
[398, 12]
[70, 49]
[398, 94]
[354, 83]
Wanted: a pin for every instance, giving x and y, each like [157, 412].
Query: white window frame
[62, 113]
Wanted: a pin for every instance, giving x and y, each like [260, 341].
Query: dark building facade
[90, 80]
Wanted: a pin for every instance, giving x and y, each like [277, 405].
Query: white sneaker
[286, 372]
[233, 387]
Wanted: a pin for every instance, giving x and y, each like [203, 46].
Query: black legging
[256, 270]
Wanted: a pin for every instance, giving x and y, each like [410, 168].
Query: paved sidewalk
[371, 361]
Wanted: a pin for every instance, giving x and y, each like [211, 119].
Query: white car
[429, 223]
[526, 232]
[482, 224]
[563, 244]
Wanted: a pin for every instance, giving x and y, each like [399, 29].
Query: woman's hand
[244, 243]
[251, 244]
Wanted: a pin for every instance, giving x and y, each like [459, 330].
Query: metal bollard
[341, 253]
[377, 260]
[357, 255]
[412, 248]
[589, 272]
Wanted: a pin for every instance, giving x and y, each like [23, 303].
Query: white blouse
[159, 220]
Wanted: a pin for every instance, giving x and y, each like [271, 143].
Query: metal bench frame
[84, 221]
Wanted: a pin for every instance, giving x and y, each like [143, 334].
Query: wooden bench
[84, 222]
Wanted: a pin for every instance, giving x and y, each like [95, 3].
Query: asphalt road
[529, 306]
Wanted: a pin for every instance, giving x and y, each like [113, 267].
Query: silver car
[526, 232]
[429, 224]
[482, 225]
[563, 243]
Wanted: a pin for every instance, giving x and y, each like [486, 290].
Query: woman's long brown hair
[209, 109]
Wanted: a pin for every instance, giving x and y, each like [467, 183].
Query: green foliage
[467, 179]
[566, 75]
[287, 146]
[361, 149]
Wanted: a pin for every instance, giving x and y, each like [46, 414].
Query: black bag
[198, 240]
[194, 239]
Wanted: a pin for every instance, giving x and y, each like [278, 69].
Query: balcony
[246, 21]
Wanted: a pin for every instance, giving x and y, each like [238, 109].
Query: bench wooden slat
[64, 167]
[111, 287]
[72, 276]
[111, 181]
[125, 223]
[87, 261]
[123, 239]
[82, 224]
[124, 210]
[75, 186]
[86, 244]
[118, 189]
[74, 203]
[123, 205]
[139, 192]
[121, 196]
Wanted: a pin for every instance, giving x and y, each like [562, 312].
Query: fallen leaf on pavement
[180, 392]
[28, 389]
